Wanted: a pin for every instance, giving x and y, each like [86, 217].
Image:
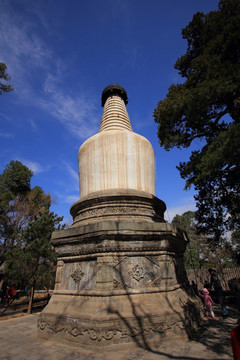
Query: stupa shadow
[189, 316]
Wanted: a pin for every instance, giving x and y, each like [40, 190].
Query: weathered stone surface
[120, 274]
[116, 159]
[118, 204]
[109, 319]
[124, 281]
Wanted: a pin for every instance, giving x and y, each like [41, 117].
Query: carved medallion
[137, 272]
[77, 275]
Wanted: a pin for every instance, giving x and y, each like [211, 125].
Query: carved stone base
[120, 275]
[118, 204]
[109, 319]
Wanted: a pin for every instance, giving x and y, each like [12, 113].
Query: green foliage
[235, 238]
[19, 205]
[186, 221]
[194, 255]
[4, 75]
[207, 107]
[35, 258]
[15, 180]
[202, 252]
[14, 212]
[26, 225]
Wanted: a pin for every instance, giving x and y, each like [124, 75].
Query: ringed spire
[115, 115]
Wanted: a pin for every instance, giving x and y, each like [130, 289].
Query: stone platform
[103, 319]
[19, 341]
[119, 282]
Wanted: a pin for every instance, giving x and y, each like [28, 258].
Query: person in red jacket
[208, 301]
[13, 291]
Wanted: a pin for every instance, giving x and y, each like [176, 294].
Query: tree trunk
[31, 298]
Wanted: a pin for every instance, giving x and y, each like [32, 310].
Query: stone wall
[199, 276]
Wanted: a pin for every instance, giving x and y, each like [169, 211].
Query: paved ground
[18, 341]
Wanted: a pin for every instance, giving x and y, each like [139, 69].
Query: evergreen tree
[4, 75]
[194, 256]
[15, 211]
[207, 107]
[33, 261]
[26, 225]
[202, 252]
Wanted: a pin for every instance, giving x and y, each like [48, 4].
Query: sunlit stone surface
[116, 157]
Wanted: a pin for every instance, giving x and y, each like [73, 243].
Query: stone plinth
[118, 204]
[119, 282]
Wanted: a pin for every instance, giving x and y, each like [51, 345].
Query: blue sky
[60, 56]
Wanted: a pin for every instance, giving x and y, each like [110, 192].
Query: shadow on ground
[215, 334]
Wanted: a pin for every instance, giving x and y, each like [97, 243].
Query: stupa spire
[115, 115]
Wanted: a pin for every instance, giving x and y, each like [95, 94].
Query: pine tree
[26, 225]
[206, 107]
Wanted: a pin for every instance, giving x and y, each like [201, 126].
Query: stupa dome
[116, 157]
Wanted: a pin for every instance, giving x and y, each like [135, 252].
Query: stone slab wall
[199, 276]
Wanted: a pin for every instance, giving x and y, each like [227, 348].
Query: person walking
[215, 282]
[208, 301]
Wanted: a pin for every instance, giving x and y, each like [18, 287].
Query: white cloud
[27, 56]
[178, 210]
[35, 167]
[70, 186]
[21, 49]
[72, 172]
[65, 199]
[71, 199]
[76, 113]
[5, 117]
[6, 135]
[74, 176]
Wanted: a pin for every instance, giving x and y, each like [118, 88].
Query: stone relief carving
[117, 285]
[79, 249]
[77, 275]
[115, 210]
[59, 271]
[118, 259]
[109, 333]
[137, 272]
[154, 259]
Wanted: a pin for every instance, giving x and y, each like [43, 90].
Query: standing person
[4, 288]
[13, 291]
[26, 291]
[215, 282]
[208, 301]
[7, 295]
